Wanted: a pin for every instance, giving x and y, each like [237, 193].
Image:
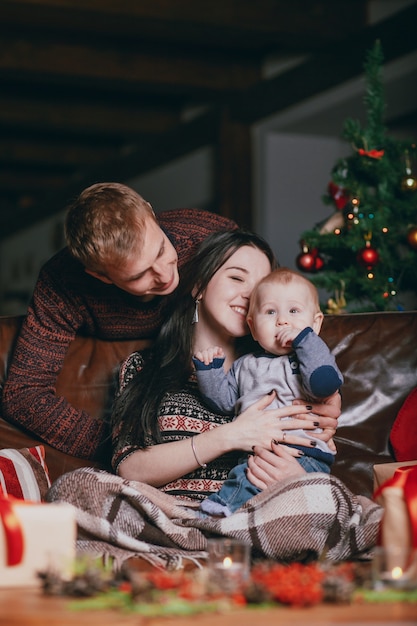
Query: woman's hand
[325, 415]
[267, 467]
[260, 426]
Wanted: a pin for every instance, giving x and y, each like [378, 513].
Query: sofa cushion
[24, 474]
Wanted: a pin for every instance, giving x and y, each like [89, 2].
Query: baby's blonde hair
[284, 275]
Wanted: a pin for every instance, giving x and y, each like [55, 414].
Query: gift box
[385, 471]
[33, 538]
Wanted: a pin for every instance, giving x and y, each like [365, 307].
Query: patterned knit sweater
[68, 301]
[181, 415]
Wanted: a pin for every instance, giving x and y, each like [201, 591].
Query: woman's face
[224, 303]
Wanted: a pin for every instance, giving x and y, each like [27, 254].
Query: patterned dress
[181, 415]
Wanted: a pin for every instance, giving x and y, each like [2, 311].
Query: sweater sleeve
[187, 228]
[218, 389]
[29, 395]
[319, 372]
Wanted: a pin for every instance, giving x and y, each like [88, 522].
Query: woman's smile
[240, 310]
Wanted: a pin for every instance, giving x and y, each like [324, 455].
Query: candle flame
[396, 572]
[227, 562]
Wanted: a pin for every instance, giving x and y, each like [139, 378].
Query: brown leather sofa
[377, 353]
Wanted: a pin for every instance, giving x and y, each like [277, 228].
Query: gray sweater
[310, 372]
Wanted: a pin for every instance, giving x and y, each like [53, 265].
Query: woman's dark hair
[168, 366]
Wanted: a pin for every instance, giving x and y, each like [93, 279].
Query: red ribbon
[12, 530]
[405, 478]
[373, 154]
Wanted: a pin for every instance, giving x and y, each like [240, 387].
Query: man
[112, 281]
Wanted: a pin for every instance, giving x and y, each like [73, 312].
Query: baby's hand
[207, 356]
[286, 335]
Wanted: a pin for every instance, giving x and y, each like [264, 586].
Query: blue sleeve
[218, 389]
[319, 372]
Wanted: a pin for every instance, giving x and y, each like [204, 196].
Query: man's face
[152, 273]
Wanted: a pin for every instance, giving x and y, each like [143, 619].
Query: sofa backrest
[89, 370]
[9, 328]
[87, 380]
[377, 353]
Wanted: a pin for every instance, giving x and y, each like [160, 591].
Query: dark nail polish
[300, 453]
[270, 392]
[316, 424]
[313, 443]
[309, 407]
[275, 442]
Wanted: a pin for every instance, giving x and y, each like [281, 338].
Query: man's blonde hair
[284, 275]
[106, 224]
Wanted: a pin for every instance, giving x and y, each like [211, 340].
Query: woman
[167, 443]
[163, 434]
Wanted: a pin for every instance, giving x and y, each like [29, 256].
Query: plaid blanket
[301, 519]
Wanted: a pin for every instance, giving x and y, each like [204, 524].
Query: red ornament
[368, 256]
[305, 262]
[309, 261]
[318, 263]
[339, 195]
[412, 237]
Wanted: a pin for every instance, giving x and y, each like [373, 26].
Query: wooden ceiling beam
[23, 182]
[297, 24]
[92, 118]
[127, 69]
[174, 144]
[46, 153]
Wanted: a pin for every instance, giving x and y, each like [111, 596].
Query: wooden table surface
[30, 607]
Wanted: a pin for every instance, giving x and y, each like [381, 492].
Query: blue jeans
[237, 489]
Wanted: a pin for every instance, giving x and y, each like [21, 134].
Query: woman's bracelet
[195, 454]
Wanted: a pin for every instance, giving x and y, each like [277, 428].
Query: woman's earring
[195, 316]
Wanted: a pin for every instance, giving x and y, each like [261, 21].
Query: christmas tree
[365, 254]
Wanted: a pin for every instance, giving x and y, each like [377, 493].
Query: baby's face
[282, 311]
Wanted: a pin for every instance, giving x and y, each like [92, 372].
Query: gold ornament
[336, 305]
[409, 181]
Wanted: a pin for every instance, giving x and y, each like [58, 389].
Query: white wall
[187, 182]
[21, 257]
[295, 173]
